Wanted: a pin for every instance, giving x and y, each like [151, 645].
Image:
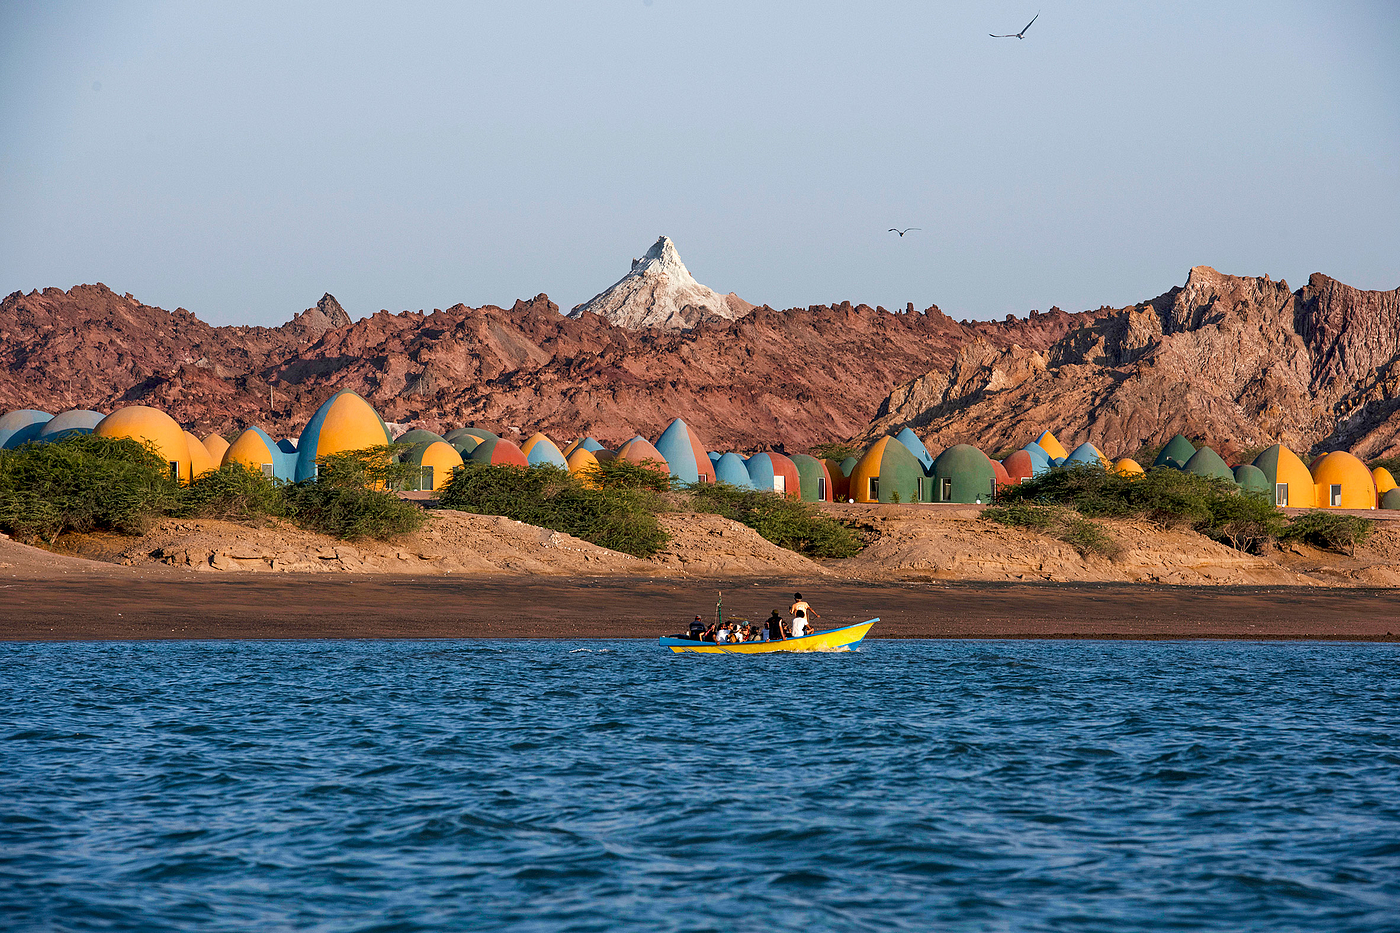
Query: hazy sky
[240, 159]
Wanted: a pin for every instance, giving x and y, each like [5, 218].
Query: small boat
[838, 639]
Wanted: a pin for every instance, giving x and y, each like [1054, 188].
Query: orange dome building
[217, 446]
[201, 461]
[640, 450]
[1052, 446]
[1128, 467]
[1343, 482]
[345, 422]
[1384, 481]
[150, 426]
[582, 463]
[437, 462]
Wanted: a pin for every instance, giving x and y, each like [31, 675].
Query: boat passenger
[709, 634]
[776, 630]
[697, 628]
[722, 635]
[810, 615]
[799, 625]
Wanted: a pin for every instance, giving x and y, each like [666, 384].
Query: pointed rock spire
[660, 292]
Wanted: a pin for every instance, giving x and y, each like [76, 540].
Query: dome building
[730, 468]
[1206, 462]
[962, 473]
[1175, 454]
[1128, 467]
[887, 472]
[69, 424]
[685, 454]
[1252, 480]
[916, 447]
[540, 450]
[1019, 466]
[216, 445]
[21, 427]
[436, 463]
[344, 423]
[1052, 446]
[582, 463]
[154, 427]
[254, 449]
[814, 477]
[498, 451]
[640, 450]
[1341, 481]
[1288, 477]
[774, 472]
[1087, 454]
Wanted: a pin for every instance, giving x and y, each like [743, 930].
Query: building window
[1336, 494]
[780, 485]
[175, 470]
[1281, 495]
[427, 480]
[923, 489]
[874, 489]
[267, 470]
[821, 488]
[945, 489]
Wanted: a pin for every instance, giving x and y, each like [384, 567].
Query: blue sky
[241, 159]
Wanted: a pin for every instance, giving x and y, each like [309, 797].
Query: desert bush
[1167, 497]
[1391, 464]
[351, 512]
[235, 493]
[1341, 533]
[619, 517]
[83, 483]
[368, 468]
[788, 523]
[835, 450]
[625, 474]
[1085, 536]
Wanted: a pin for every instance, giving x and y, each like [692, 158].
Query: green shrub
[83, 483]
[1341, 533]
[622, 518]
[624, 474]
[836, 450]
[369, 468]
[1391, 464]
[351, 512]
[1171, 498]
[786, 522]
[1065, 524]
[233, 492]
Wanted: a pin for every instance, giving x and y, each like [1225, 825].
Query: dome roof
[1391, 499]
[20, 427]
[153, 427]
[1384, 481]
[731, 469]
[916, 447]
[685, 454]
[1176, 453]
[1282, 466]
[1206, 462]
[810, 469]
[1086, 454]
[498, 451]
[480, 434]
[418, 436]
[253, 448]
[201, 461]
[773, 472]
[969, 471]
[1339, 468]
[539, 449]
[1128, 467]
[640, 450]
[582, 463]
[895, 470]
[439, 455]
[69, 423]
[344, 423]
[1018, 466]
[1252, 479]
[216, 445]
[1052, 446]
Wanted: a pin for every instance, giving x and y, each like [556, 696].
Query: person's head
[796, 595]
[775, 614]
[697, 619]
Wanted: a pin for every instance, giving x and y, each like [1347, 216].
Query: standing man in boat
[802, 616]
[776, 630]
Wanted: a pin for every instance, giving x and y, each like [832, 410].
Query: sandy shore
[172, 605]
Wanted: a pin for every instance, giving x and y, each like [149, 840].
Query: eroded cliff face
[1239, 361]
[791, 378]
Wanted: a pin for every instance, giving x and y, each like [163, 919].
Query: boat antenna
[719, 610]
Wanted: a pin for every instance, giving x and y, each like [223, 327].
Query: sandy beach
[169, 605]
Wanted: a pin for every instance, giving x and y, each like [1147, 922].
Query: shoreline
[163, 606]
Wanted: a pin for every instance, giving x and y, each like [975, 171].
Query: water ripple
[535, 786]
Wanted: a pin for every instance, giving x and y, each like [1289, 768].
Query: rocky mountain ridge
[1240, 362]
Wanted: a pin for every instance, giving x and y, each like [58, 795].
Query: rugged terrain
[1237, 361]
[1240, 362]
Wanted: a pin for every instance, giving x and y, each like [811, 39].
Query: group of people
[774, 628]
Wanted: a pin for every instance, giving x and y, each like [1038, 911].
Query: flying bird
[904, 231]
[1017, 35]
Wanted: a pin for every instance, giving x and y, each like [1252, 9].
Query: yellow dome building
[1290, 479]
[1384, 481]
[1343, 482]
[1128, 467]
[345, 422]
[201, 461]
[1051, 445]
[150, 426]
[217, 447]
[582, 463]
[437, 462]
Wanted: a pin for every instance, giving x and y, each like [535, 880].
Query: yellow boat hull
[840, 639]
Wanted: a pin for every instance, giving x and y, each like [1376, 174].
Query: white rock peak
[660, 292]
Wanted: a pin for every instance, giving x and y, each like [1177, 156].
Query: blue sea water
[579, 786]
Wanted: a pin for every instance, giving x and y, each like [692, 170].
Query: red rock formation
[1240, 362]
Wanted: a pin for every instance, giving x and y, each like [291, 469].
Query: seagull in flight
[904, 231]
[1016, 35]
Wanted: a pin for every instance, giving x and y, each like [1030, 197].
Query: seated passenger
[799, 624]
[776, 629]
[722, 635]
[697, 628]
